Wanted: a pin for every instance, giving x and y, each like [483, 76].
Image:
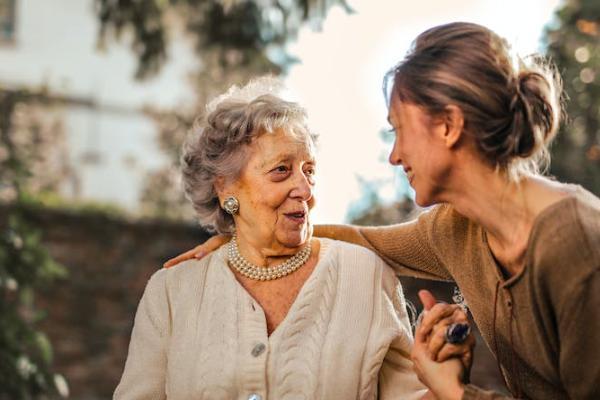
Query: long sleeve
[580, 340]
[397, 380]
[473, 392]
[406, 247]
[145, 369]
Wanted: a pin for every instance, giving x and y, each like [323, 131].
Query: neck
[506, 210]
[503, 208]
[489, 198]
[265, 253]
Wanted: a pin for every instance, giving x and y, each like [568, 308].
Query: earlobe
[455, 122]
[219, 186]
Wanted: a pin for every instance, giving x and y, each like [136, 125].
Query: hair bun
[535, 109]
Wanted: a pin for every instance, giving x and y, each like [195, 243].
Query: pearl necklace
[249, 270]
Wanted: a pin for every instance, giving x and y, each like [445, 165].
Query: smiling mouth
[298, 217]
[409, 175]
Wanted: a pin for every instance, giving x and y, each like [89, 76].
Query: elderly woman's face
[275, 191]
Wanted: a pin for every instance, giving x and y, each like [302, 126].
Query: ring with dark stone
[457, 333]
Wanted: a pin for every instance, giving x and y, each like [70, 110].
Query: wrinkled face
[420, 149]
[275, 191]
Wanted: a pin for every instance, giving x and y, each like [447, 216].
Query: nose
[303, 188]
[395, 157]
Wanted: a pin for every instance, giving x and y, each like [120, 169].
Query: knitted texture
[346, 336]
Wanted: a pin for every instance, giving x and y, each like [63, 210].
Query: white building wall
[55, 46]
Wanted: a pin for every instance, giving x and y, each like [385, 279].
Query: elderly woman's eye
[310, 171]
[281, 168]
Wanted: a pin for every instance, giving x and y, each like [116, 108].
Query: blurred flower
[15, 239]
[61, 385]
[582, 54]
[587, 75]
[25, 367]
[11, 284]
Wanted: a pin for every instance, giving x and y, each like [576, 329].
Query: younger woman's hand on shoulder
[199, 251]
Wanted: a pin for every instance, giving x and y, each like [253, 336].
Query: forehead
[394, 110]
[281, 144]
[403, 113]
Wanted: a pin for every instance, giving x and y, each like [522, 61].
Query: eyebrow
[284, 158]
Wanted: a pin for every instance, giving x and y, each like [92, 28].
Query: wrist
[455, 393]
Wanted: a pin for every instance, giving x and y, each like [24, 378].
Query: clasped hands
[443, 367]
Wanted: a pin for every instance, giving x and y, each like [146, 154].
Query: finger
[451, 350]
[435, 314]
[437, 338]
[199, 255]
[182, 257]
[418, 351]
[427, 298]
[214, 243]
[467, 358]
[458, 317]
[456, 350]
[428, 396]
[462, 351]
[424, 330]
[420, 335]
[199, 251]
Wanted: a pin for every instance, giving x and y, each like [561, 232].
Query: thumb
[427, 299]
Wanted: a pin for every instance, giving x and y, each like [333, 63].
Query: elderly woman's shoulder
[349, 252]
[189, 270]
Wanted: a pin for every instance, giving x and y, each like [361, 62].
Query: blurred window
[7, 21]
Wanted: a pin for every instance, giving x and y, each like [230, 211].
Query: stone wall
[90, 314]
[109, 259]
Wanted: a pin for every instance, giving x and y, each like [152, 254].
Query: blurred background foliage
[25, 266]
[573, 42]
[235, 40]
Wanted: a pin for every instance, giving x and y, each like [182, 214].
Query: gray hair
[217, 146]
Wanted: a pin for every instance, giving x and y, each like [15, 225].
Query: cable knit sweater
[199, 335]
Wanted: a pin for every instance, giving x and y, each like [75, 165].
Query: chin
[296, 238]
[423, 200]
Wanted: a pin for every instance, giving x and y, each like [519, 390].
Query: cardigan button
[255, 396]
[258, 349]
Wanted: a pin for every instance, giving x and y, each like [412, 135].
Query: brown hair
[512, 112]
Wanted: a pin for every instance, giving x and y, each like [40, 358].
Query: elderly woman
[274, 313]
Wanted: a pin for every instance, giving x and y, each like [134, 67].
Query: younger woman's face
[421, 150]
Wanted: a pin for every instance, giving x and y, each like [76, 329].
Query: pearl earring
[231, 205]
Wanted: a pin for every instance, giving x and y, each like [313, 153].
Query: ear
[455, 122]
[220, 187]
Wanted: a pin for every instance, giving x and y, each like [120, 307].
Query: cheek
[437, 166]
[267, 199]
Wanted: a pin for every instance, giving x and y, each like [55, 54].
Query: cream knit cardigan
[199, 335]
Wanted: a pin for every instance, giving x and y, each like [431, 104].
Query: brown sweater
[543, 324]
